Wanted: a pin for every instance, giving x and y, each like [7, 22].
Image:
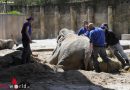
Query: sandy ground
[46, 77]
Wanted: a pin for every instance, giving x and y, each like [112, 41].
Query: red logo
[14, 81]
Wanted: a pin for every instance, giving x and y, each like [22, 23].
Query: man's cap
[104, 26]
[30, 18]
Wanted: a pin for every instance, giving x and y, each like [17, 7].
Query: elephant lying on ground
[72, 51]
[6, 44]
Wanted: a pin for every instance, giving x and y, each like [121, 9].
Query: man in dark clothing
[113, 42]
[97, 42]
[26, 40]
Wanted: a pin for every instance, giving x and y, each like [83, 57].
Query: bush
[14, 12]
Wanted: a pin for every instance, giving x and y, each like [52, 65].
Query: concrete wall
[11, 25]
[53, 17]
[101, 12]
[49, 19]
[122, 17]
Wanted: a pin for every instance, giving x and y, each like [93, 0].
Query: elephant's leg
[90, 64]
[64, 61]
[54, 57]
[87, 58]
[72, 61]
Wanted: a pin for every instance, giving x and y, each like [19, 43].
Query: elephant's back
[75, 43]
[79, 43]
[76, 46]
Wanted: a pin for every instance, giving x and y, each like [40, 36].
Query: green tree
[29, 2]
[57, 1]
[38, 2]
[4, 4]
[5, 1]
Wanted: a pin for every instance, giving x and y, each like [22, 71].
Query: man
[84, 30]
[113, 42]
[26, 40]
[97, 42]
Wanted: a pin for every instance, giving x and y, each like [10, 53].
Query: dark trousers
[119, 53]
[26, 54]
[102, 52]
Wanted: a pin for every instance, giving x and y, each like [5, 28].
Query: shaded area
[44, 77]
[13, 58]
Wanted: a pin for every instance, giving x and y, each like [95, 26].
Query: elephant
[72, 51]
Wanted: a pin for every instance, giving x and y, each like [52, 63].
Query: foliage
[57, 1]
[29, 2]
[35, 2]
[6, 1]
[14, 12]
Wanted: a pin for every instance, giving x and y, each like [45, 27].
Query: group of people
[100, 38]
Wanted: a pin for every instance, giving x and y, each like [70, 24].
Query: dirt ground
[43, 76]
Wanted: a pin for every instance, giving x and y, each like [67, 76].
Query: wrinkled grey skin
[72, 51]
[6, 44]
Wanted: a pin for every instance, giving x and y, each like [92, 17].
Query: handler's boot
[127, 62]
[127, 65]
[97, 68]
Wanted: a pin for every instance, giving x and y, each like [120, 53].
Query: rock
[6, 44]
[125, 36]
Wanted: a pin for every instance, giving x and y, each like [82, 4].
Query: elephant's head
[62, 34]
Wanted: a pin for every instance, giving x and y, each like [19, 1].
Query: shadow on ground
[43, 76]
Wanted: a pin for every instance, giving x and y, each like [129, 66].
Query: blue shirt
[30, 30]
[24, 28]
[83, 31]
[27, 24]
[97, 37]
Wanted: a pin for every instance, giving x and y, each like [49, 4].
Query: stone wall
[11, 25]
[122, 17]
[50, 18]
[53, 17]
[71, 15]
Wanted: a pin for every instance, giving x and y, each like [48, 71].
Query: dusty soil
[43, 76]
